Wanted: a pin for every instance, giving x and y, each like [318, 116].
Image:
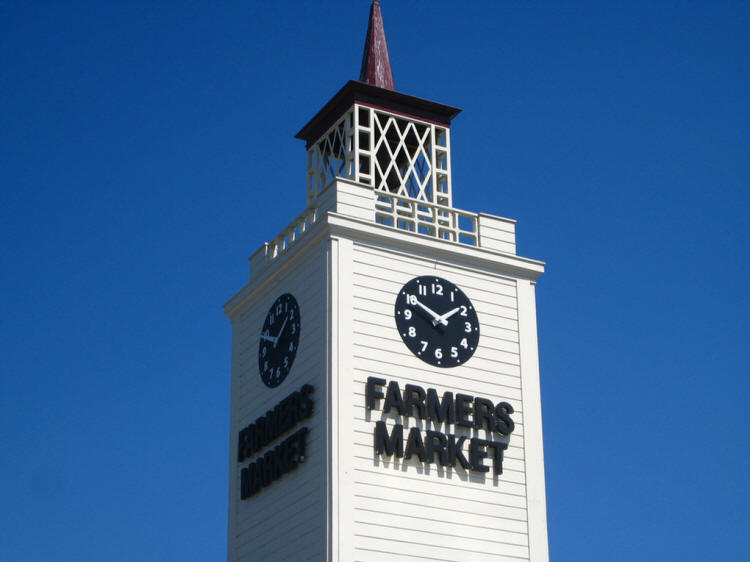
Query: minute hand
[281, 330]
[435, 318]
[444, 318]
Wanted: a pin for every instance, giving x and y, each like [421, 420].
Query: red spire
[376, 64]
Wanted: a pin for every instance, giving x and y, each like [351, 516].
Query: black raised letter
[268, 474]
[301, 443]
[242, 445]
[483, 410]
[372, 392]
[438, 411]
[414, 444]
[414, 396]
[394, 444]
[463, 409]
[436, 443]
[477, 452]
[244, 483]
[504, 424]
[306, 406]
[499, 447]
[455, 452]
[393, 398]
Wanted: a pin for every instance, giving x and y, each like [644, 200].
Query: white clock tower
[385, 383]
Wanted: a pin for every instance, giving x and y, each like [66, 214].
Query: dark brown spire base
[373, 96]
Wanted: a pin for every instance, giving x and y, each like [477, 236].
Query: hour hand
[265, 336]
[444, 318]
[435, 317]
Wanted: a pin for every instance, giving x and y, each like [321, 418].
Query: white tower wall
[347, 502]
[287, 517]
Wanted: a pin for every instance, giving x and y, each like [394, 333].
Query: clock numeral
[464, 343]
[454, 352]
[438, 353]
[294, 328]
[437, 289]
[423, 291]
[407, 314]
[424, 344]
[467, 327]
[463, 311]
[265, 365]
[286, 362]
[453, 296]
[264, 351]
[271, 318]
[411, 299]
[412, 332]
[291, 346]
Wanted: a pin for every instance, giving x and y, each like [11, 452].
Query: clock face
[279, 340]
[437, 321]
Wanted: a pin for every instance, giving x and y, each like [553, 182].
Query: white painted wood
[341, 305]
[404, 548]
[294, 502]
[473, 258]
[349, 199]
[537, 503]
[348, 503]
[496, 233]
[493, 372]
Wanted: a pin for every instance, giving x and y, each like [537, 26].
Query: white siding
[285, 520]
[405, 509]
[348, 198]
[346, 503]
[496, 233]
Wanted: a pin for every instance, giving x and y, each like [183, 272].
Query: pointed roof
[376, 64]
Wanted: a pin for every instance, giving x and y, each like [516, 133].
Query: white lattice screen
[394, 154]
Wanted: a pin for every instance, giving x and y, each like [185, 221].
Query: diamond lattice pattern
[331, 157]
[394, 154]
[403, 153]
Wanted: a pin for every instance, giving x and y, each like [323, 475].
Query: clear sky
[146, 150]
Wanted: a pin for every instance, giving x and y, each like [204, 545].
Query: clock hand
[281, 331]
[444, 317]
[267, 337]
[435, 317]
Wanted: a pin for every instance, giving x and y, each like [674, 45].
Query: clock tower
[385, 400]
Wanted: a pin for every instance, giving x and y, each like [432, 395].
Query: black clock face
[279, 340]
[437, 321]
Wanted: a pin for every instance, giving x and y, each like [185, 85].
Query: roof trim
[373, 96]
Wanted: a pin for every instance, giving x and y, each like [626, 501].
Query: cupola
[394, 143]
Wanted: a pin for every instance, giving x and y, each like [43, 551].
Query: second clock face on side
[437, 321]
[279, 340]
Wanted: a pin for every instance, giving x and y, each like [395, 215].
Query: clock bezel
[278, 346]
[427, 336]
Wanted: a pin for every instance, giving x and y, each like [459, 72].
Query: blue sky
[146, 150]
